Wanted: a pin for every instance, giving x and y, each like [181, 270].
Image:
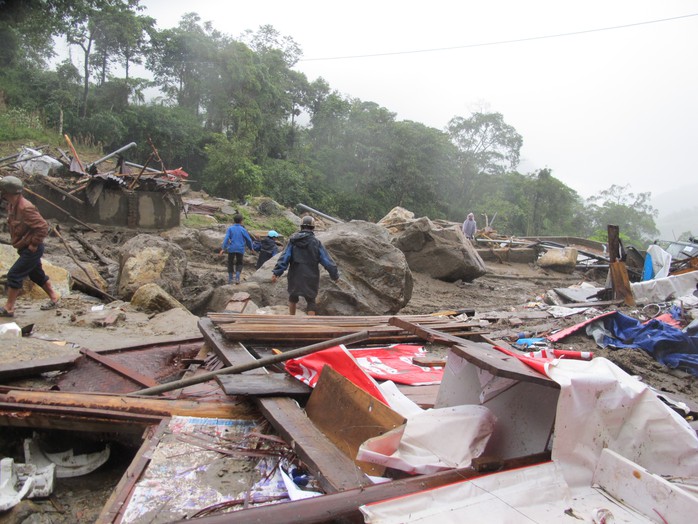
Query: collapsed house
[120, 193]
[395, 418]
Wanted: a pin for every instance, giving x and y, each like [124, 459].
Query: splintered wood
[292, 329]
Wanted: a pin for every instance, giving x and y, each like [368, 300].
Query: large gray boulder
[374, 276]
[150, 259]
[442, 253]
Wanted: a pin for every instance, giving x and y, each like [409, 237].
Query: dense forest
[236, 116]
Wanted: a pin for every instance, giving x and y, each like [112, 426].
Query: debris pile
[107, 191]
[481, 414]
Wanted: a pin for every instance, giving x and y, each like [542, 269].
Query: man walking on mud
[302, 257]
[28, 229]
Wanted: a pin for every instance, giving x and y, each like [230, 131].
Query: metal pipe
[323, 215]
[267, 361]
[149, 169]
[120, 150]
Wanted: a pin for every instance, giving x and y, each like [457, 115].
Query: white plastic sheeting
[665, 289]
[601, 406]
[36, 163]
[609, 426]
[416, 448]
[661, 261]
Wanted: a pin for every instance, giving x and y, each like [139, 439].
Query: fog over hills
[678, 211]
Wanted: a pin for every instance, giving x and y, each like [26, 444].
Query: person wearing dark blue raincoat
[303, 257]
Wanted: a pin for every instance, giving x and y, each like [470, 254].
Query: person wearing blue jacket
[236, 238]
[302, 258]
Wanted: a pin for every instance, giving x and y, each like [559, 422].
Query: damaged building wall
[113, 207]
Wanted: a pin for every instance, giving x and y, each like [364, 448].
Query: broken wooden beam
[116, 504]
[68, 418]
[31, 368]
[160, 407]
[268, 385]
[334, 471]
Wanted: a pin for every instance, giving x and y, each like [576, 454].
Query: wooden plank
[68, 418]
[621, 283]
[500, 364]
[349, 416]
[429, 361]
[423, 396]
[160, 407]
[31, 368]
[344, 506]
[125, 371]
[426, 333]
[332, 468]
[231, 353]
[334, 471]
[116, 503]
[272, 384]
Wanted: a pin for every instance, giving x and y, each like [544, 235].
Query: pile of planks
[291, 329]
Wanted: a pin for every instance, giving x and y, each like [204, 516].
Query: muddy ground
[507, 287]
[77, 324]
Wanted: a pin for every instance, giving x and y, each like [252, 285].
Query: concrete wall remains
[114, 207]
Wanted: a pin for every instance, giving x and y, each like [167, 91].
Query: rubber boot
[230, 278]
[237, 277]
[291, 308]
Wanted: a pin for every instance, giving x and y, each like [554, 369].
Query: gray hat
[11, 184]
[308, 222]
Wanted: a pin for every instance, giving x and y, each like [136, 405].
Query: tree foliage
[235, 114]
[632, 212]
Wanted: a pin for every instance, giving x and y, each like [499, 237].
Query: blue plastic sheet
[648, 270]
[668, 345]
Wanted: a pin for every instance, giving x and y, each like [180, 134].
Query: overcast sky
[600, 107]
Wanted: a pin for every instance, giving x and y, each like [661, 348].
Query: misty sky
[618, 106]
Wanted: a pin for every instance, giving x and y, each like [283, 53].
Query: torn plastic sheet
[67, 464]
[609, 426]
[536, 494]
[601, 406]
[660, 261]
[416, 448]
[667, 345]
[665, 289]
[9, 496]
[35, 162]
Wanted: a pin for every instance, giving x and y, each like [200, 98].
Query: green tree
[182, 60]
[632, 212]
[88, 27]
[486, 144]
[229, 171]
[420, 162]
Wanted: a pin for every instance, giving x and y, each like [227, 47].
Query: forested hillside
[235, 114]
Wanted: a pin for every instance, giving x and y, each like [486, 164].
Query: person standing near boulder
[469, 227]
[267, 248]
[236, 238]
[302, 257]
[28, 229]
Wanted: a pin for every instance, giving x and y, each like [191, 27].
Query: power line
[500, 42]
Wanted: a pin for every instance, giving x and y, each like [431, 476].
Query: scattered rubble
[191, 388]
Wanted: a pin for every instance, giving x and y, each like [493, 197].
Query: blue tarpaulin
[668, 345]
